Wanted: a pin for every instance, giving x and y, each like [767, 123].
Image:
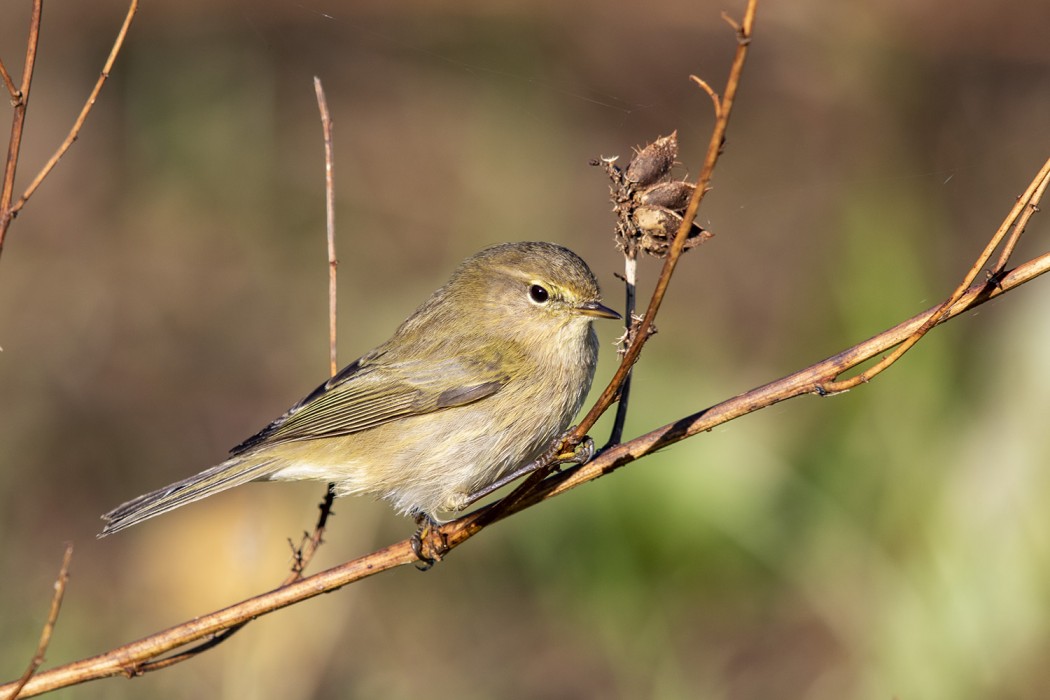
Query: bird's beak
[593, 308]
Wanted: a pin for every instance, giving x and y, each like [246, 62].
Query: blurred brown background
[164, 295]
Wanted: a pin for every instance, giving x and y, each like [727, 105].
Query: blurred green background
[163, 296]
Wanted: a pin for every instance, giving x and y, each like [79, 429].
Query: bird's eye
[538, 294]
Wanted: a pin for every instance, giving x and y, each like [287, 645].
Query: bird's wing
[370, 392]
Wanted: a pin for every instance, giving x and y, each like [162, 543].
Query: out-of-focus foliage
[163, 296]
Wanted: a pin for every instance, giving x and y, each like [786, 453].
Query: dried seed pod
[656, 221]
[658, 227]
[654, 161]
[670, 195]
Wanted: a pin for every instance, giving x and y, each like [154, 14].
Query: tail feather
[233, 472]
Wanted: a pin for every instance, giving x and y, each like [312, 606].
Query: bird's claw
[426, 552]
[581, 453]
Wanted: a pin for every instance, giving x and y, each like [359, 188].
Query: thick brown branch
[805, 381]
[123, 661]
[301, 557]
[126, 660]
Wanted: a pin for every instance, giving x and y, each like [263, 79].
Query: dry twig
[714, 150]
[8, 211]
[305, 552]
[642, 333]
[19, 101]
[1016, 220]
[329, 190]
[49, 626]
[311, 542]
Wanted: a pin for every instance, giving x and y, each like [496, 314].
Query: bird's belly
[428, 463]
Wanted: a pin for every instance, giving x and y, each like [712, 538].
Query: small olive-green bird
[478, 382]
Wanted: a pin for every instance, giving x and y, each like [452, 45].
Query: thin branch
[49, 626]
[12, 91]
[1018, 217]
[710, 93]
[714, 150]
[124, 660]
[1029, 205]
[21, 103]
[326, 128]
[74, 132]
[306, 551]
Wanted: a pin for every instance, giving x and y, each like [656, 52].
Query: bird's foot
[426, 550]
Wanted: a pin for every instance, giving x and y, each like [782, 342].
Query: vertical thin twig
[744, 32]
[49, 626]
[306, 551]
[12, 90]
[329, 189]
[311, 542]
[21, 102]
[714, 150]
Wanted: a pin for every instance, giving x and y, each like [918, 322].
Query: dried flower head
[648, 205]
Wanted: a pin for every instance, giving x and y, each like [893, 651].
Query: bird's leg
[581, 453]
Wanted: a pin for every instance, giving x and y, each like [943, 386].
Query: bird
[478, 382]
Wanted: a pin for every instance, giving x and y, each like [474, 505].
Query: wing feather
[369, 393]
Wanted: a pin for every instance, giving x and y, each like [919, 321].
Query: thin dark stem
[630, 269]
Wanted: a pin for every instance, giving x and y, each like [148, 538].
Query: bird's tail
[233, 472]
